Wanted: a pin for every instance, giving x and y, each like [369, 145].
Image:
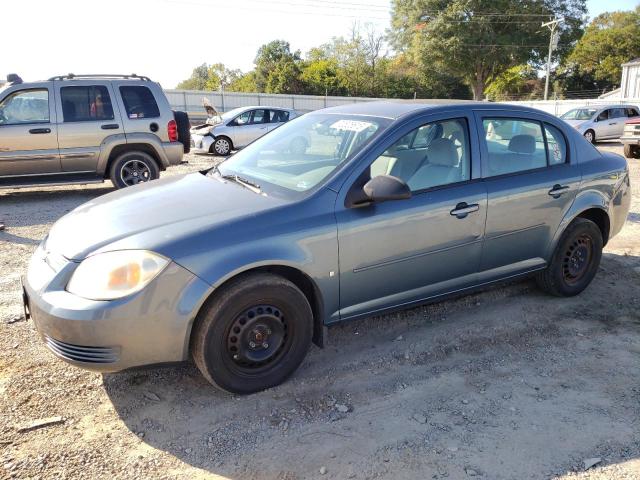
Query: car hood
[186, 203]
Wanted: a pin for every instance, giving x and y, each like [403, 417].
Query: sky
[166, 39]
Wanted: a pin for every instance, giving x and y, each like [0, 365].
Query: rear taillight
[172, 130]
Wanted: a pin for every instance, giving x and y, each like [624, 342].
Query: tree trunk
[478, 85]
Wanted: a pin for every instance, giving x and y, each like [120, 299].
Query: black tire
[184, 129]
[631, 151]
[590, 135]
[252, 308]
[575, 261]
[133, 167]
[221, 146]
[298, 146]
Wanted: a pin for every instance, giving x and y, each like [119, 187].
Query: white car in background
[239, 127]
[600, 122]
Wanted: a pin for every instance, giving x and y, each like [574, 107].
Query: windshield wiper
[254, 187]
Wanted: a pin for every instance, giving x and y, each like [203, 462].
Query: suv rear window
[85, 104]
[139, 102]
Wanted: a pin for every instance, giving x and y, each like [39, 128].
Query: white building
[630, 84]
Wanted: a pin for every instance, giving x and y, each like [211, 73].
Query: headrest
[523, 144]
[443, 152]
[434, 133]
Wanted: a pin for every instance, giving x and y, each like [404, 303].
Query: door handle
[558, 190]
[40, 130]
[110, 126]
[463, 209]
[613, 123]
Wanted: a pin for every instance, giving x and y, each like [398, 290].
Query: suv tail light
[172, 130]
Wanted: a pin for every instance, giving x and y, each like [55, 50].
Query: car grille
[78, 353]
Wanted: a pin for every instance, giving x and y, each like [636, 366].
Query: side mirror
[380, 189]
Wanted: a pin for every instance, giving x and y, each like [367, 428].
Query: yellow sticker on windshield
[351, 125]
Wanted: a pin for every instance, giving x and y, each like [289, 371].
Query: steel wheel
[133, 172]
[257, 338]
[576, 259]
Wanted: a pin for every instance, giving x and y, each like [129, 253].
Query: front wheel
[590, 136]
[132, 168]
[631, 151]
[253, 334]
[222, 146]
[575, 260]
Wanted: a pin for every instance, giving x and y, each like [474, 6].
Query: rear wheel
[575, 260]
[221, 146]
[253, 334]
[132, 168]
[590, 135]
[631, 151]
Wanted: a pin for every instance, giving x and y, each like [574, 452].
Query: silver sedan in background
[600, 122]
[239, 127]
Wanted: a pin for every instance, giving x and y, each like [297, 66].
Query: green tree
[610, 40]
[319, 76]
[476, 40]
[198, 79]
[244, 83]
[220, 77]
[275, 58]
[517, 82]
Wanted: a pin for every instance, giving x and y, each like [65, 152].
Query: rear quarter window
[139, 102]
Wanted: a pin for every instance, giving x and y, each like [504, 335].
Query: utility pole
[553, 43]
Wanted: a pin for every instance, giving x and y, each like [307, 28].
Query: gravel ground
[504, 384]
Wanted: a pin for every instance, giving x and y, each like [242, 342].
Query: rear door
[143, 112]
[531, 181]
[87, 117]
[28, 132]
[617, 117]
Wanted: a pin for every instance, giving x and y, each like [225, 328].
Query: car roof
[394, 109]
[254, 107]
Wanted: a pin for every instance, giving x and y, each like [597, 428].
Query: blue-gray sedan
[392, 204]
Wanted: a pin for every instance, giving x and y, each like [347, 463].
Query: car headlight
[111, 275]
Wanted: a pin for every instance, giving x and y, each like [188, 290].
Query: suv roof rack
[72, 76]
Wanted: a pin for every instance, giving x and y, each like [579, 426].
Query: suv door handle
[463, 209]
[558, 190]
[40, 130]
[110, 126]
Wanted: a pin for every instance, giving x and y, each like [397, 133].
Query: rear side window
[86, 103]
[632, 112]
[514, 145]
[279, 116]
[139, 102]
[25, 106]
[556, 144]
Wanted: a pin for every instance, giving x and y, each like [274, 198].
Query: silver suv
[88, 128]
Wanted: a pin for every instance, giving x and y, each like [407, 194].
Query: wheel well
[128, 147]
[601, 219]
[306, 286]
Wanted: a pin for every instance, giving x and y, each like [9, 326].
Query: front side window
[303, 152]
[86, 103]
[139, 102]
[243, 118]
[603, 115]
[513, 145]
[433, 155]
[25, 106]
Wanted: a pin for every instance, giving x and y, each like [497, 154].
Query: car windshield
[232, 113]
[300, 154]
[579, 114]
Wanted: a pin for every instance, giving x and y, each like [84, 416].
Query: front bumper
[202, 143]
[149, 327]
[630, 140]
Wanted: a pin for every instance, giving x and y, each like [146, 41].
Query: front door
[531, 185]
[28, 133]
[86, 118]
[249, 126]
[398, 252]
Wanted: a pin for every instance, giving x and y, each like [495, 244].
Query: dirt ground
[505, 384]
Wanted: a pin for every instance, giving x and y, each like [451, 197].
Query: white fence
[190, 101]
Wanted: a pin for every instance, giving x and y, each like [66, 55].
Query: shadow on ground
[507, 383]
